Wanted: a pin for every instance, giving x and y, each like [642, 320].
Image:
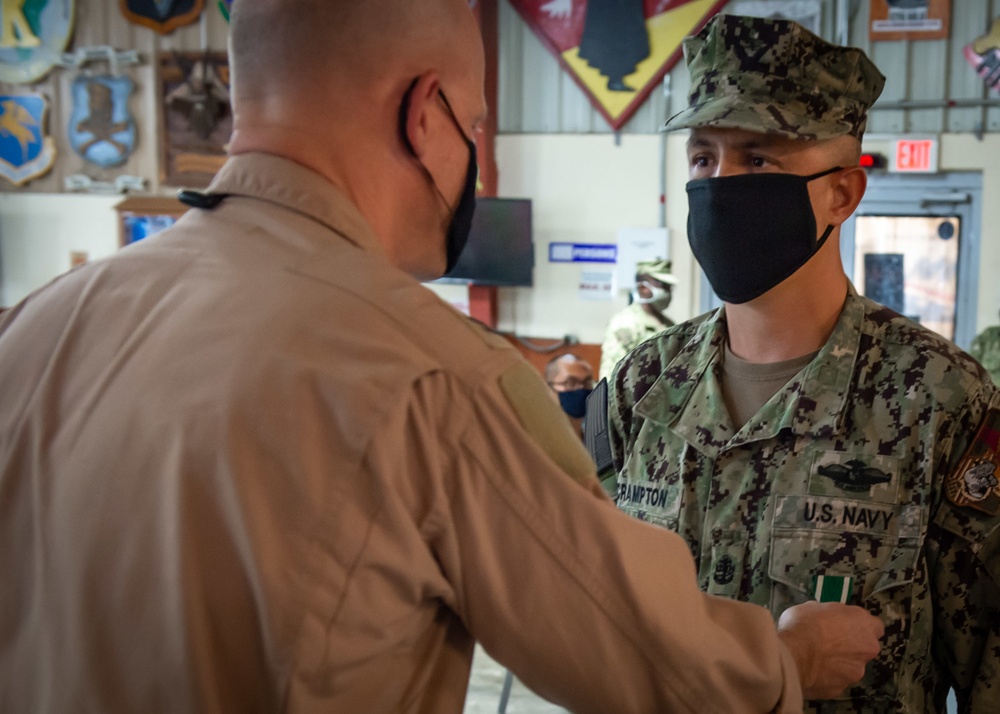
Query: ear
[414, 112]
[847, 193]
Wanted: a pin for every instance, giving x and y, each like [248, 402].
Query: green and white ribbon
[833, 588]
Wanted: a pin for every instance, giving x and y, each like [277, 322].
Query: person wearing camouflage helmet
[808, 443]
[645, 317]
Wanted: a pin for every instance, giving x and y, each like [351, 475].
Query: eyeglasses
[572, 383]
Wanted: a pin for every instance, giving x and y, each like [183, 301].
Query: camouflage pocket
[874, 570]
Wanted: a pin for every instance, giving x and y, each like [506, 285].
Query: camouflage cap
[658, 269]
[775, 77]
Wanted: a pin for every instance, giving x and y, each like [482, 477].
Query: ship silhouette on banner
[617, 51]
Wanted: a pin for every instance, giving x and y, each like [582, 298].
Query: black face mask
[574, 402]
[751, 232]
[461, 216]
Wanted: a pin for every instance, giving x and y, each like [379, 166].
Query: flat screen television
[500, 250]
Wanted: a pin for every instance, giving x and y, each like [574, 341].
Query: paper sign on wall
[595, 285]
[635, 244]
[582, 252]
[909, 19]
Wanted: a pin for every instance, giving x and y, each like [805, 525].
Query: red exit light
[873, 161]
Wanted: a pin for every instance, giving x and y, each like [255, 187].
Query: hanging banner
[909, 19]
[25, 151]
[984, 56]
[33, 36]
[101, 128]
[807, 13]
[164, 16]
[617, 51]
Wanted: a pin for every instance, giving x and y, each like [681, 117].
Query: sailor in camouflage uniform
[866, 472]
[642, 319]
[985, 349]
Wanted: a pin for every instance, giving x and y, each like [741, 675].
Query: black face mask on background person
[461, 216]
[574, 402]
[750, 232]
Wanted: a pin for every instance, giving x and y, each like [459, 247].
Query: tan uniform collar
[283, 182]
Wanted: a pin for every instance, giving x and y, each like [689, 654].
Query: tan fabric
[748, 386]
[247, 466]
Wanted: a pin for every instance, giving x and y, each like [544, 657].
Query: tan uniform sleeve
[592, 609]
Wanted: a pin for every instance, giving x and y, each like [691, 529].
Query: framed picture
[909, 19]
[196, 120]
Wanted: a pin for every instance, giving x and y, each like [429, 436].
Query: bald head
[567, 366]
[380, 97]
[339, 49]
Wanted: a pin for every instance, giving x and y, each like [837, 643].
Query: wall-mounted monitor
[500, 250]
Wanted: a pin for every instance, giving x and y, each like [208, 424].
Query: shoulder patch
[975, 482]
[542, 418]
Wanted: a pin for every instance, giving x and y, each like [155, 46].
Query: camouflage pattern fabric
[774, 76]
[986, 350]
[627, 330]
[836, 484]
[658, 269]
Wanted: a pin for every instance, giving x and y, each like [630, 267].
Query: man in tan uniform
[250, 464]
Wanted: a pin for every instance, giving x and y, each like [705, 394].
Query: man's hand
[558, 8]
[831, 644]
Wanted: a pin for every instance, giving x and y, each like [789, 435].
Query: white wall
[38, 232]
[583, 188]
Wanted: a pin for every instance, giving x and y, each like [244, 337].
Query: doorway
[913, 245]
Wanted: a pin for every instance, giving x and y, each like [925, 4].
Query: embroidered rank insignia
[164, 16]
[33, 36]
[833, 588]
[975, 483]
[25, 151]
[101, 129]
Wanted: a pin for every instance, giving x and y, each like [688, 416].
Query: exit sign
[916, 156]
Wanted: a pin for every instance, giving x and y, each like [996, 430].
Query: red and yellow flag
[617, 51]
